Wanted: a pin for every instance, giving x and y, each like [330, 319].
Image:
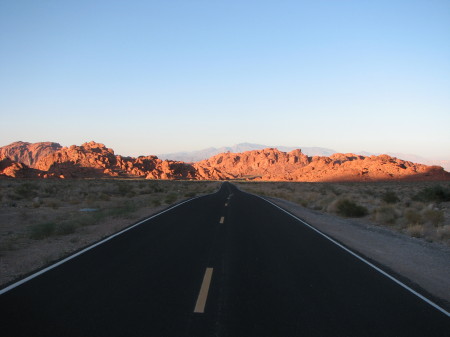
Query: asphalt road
[228, 264]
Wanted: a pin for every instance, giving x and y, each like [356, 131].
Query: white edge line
[32, 276]
[445, 312]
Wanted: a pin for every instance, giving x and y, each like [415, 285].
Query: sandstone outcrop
[28, 153]
[274, 165]
[95, 160]
[12, 169]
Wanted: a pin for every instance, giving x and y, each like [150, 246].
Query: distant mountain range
[195, 156]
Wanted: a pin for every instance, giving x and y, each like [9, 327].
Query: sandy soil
[419, 263]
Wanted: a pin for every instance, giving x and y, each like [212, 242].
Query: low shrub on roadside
[436, 193]
[42, 230]
[390, 197]
[443, 233]
[349, 208]
[413, 217]
[433, 216]
[416, 231]
[386, 215]
[170, 198]
[65, 228]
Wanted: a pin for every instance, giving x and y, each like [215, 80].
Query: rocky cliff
[94, 160]
[28, 153]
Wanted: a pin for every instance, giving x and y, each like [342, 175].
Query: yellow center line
[203, 294]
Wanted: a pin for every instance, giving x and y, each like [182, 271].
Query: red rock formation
[95, 160]
[9, 168]
[27, 153]
[272, 164]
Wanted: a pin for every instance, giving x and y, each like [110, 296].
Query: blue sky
[147, 77]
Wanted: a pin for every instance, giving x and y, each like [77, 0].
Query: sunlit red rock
[272, 164]
[28, 153]
[91, 160]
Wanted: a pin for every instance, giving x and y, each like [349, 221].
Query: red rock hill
[272, 164]
[96, 160]
[27, 153]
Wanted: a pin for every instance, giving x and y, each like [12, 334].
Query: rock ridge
[95, 160]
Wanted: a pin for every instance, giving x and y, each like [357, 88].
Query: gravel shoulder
[422, 265]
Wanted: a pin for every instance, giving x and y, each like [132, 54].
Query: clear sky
[147, 77]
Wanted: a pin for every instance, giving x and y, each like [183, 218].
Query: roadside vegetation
[44, 220]
[417, 209]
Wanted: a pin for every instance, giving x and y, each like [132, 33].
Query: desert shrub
[124, 189]
[50, 190]
[433, 216]
[42, 230]
[413, 217]
[386, 215]
[390, 197]
[415, 231]
[170, 198]
[348, 208]
[156, 202]
[190, 194]
[52, 203]
[127, 208]
[370, 192]
[88, 219]
[65, 228]
[25, 191]
[36, 203]
[443, 233]
[436, 193]
[104, 197]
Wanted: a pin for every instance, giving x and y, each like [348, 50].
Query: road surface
[228, 264]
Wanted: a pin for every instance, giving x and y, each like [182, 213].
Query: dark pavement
[271, 276]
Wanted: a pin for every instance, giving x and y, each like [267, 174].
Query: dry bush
[433, 216]
[416, 231]
[390, 197]
[386, 215]
[349, 208]
[413, 217]
[443, 233]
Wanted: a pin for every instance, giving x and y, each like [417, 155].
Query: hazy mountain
[194, 156]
